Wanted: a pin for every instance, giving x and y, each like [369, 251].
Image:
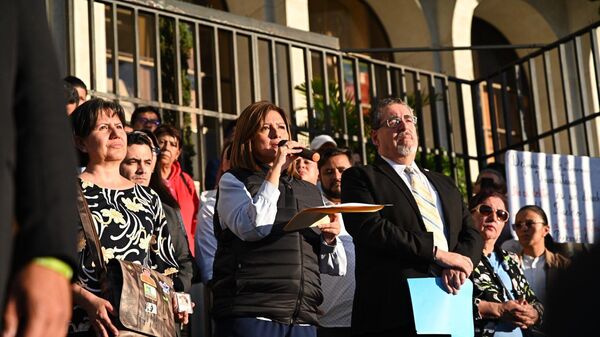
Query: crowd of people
[345, 276]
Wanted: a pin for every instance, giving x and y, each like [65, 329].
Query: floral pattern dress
[486, 287]
[131, 226]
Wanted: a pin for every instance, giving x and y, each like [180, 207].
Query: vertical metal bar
[273, 65]
[116, 74]
[551, 101]
[178, 78]
[505, 111]
[564, 71]
[255, 67]
[310, 102]
[198, 69]
[136, 52]
[388, 78]
[236, 76]
[200, 115]
[463, 135]
[292, 112]
[419, 111]
[537, 110]
[158, 57]
[326, 101]
[520, 109]
[492, 115]
[217, 59]
[583, 95]
[436, 124]
[402, 83]
[478, 119]
[449, 131]
[342, 93]
[373, 80]
[92, 36]
[358, 99]
[71, 37]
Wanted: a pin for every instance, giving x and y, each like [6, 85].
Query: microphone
[306, 153]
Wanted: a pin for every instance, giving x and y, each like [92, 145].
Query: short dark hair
[169, 131]
[71, 95]
[484, 195]
[332, 152]
[84, 118]
[380, 107]
[141, 109]
[143, 137]
[75, 82]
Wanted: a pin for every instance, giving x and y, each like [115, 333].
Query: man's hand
[454, 261]
[331, 230]
[453, 279]
[38, 304]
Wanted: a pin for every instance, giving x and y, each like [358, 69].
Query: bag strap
[90, 232]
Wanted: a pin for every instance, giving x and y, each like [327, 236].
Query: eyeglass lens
[150, 121]
[487, 211]
[394, 122]
[528, 224]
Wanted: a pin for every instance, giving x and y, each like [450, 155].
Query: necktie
[429, 212]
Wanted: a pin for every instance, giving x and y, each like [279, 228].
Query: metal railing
[201, 67]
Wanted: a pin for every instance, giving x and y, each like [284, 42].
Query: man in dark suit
[37, 174]
[427, 231]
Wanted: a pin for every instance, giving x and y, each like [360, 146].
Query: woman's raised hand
[286, 150]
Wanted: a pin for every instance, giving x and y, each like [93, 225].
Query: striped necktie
[429, 212]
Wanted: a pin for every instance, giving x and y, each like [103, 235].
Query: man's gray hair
[380, 108]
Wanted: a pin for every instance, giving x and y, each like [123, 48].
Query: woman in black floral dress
[129, 218]
[505, 305]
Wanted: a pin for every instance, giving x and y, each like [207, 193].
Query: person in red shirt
[179, 183]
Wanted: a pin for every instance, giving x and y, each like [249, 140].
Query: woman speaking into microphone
[266, 281]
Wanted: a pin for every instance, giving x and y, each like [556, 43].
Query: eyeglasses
[394, 122]
[147, 121]
[486, 211]
[528, 224]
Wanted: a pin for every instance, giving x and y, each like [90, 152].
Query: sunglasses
[526, 224]
[486, 211]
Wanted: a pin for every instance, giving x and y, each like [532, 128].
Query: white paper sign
[566, 187]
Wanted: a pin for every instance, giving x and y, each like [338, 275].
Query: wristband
[56, 265]
[435, 249]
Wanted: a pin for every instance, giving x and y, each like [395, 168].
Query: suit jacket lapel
[389, 171]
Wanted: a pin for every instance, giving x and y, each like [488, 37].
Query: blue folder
[437, 312]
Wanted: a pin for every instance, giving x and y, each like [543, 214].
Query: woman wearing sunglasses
[540, 264]
[505, 304]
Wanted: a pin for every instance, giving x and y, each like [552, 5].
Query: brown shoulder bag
[142, 297]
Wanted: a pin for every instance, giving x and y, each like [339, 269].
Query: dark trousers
[253, 327]
[333, 332]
